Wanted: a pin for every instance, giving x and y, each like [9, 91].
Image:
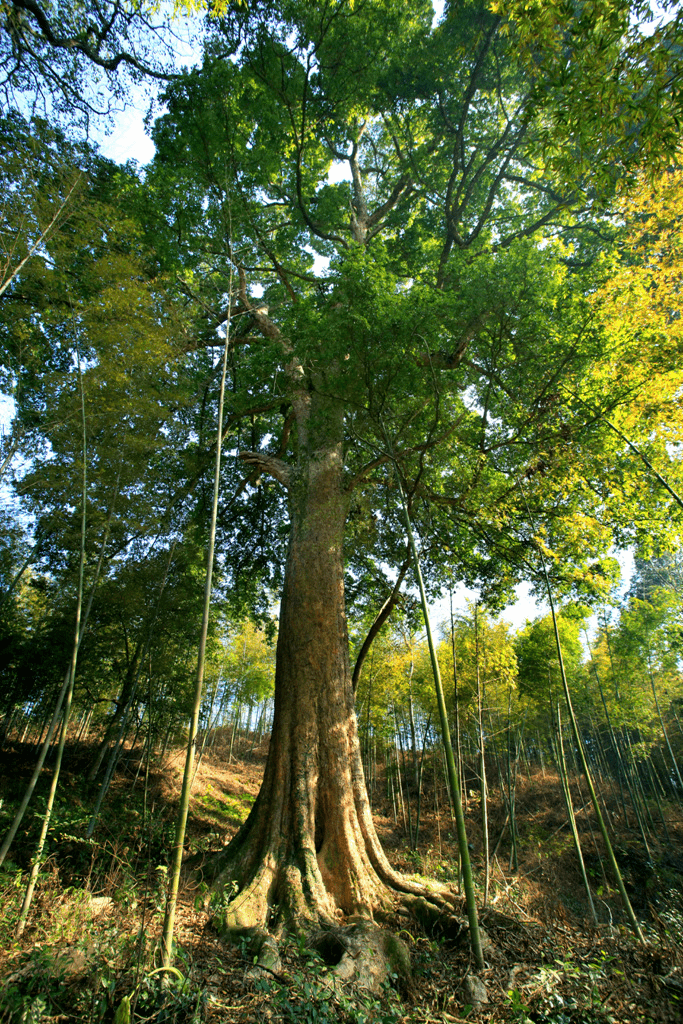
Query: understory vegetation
[92, 951]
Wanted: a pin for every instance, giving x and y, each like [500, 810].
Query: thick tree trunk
[309, 847]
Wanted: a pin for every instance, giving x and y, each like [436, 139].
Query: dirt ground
[99, 908]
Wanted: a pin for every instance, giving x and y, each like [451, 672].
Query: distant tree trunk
[640, 803]
[28, 792]
[264, 720]
[512, 789]
[368, 728]
[437, 807]
[167, 739]
[674, 762]
[235, 727]
[399, 779]
[391, 785]
[124, 717]
[85, 726]
[258, 731]
[126, 694]
[616, 748]
[419, 784]
[406, 797]
[540, 752]
[626, 903]
[411, 722]
[448, 789]
[656, 786]
[218, 717]
[456, 708]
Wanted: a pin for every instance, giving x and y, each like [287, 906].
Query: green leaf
[122, 1015]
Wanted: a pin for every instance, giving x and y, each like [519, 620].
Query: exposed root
[308, 861]
[250, 908]
[268, 963]
[363, 956]
[287, 898]
[359, 953]
[272, 893]
[436, 916]
[359, 956]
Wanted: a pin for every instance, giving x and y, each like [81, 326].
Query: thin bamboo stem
[171, 902]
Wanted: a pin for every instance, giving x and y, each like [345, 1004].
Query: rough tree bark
[308, 856]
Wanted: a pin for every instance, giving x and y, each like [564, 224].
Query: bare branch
[87, 43]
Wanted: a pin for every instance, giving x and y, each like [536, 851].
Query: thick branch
[268, 464]
[382, 616]
[365, 471]
[451, 360]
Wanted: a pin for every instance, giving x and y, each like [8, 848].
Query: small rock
[475, 990]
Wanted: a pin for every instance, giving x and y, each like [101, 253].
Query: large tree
[410, 294]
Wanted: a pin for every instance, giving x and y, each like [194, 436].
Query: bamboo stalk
[38, 856]
[169, 917]
[562, 769]
[579, 743]
[466, 866]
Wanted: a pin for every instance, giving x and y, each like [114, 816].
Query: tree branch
[362, 473]
[382, 616]
[451, 360]
[83, 43]
[268, 464]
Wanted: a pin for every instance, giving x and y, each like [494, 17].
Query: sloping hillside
[97, 916]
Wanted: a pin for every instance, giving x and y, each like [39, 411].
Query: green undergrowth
[70, 986]
[91, 951]
[222, 809]
[93, 958]
[305, 995]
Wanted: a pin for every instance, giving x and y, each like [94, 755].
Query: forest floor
[94, 928]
